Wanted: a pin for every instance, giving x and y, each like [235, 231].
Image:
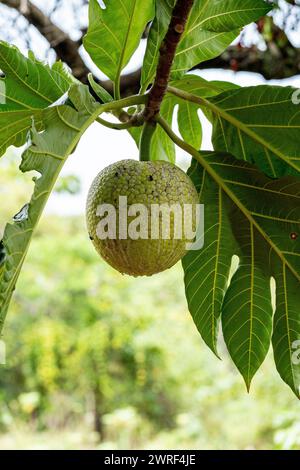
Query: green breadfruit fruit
[149, 184]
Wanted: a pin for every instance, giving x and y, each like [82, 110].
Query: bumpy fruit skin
[144, 183]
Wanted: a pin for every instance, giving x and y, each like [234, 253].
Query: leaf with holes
[47, 154]
[115, 31]
[238, 223]
[189, 123]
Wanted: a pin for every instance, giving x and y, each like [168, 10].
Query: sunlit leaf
[28, 83]
[14, 126]
[211, 28]
[226, 15]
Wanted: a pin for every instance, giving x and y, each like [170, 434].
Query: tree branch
[167, 51]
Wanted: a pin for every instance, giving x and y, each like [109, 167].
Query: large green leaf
[260, 125]
[247, 308]
[115, 31]
[47, 154]
[207, 270]
[212, 26]
[27, 87]
[198, 46]
[264, 236]
[28, 83]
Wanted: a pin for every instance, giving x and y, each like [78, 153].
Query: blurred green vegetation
[100, 360]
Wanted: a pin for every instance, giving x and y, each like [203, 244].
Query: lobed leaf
[207, 270]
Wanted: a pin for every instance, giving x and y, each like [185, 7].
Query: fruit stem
[145, 142]
[115, 125]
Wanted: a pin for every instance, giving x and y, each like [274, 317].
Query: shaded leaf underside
[115, 31]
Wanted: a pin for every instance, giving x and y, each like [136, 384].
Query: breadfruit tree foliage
[249, 184]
